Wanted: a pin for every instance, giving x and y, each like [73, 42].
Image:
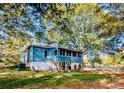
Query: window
[55, 52]
[79, 54]
[45, 53]
[74, 54]
[62, 52]
[68, 53]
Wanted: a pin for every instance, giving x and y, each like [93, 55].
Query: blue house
[39, 57]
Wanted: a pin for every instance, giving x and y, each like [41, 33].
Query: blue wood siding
[51, 55]
[39, 55]
[69, 59]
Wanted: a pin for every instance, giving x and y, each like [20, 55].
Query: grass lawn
[12, 78]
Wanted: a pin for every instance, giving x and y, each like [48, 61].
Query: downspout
[32, 53]
[57, 57]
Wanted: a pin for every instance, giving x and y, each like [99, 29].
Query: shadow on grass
[10, 68]
[49, 81]
[18, 83]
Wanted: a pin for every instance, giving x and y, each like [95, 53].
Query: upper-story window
[79, 54]
[55, 52]
[62, 52]
[45, 53]
[68, 53]
[74, 54]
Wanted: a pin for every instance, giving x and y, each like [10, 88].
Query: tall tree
[12, 30]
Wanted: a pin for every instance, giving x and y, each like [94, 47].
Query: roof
[51, 47]
[42, 46]
[70, 49]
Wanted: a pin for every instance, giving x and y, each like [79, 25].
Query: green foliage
[12, 10]
[84, 25]
[80, 26]
[90, 78]
[110, 25]
[39, 36]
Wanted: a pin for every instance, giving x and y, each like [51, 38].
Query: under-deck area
[66, 66]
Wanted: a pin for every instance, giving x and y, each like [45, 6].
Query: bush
[22, 66]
